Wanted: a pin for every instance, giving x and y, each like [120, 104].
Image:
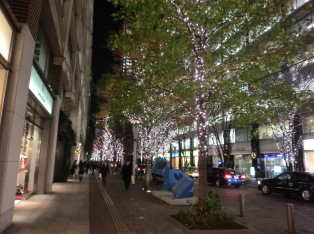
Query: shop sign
[308, 144]
[269, 146]
[273, 155]
[5, 36]
[38, 88]
[241, 148]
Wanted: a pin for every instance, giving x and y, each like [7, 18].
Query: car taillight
[138, 169]
[243, 177]
[228, 176]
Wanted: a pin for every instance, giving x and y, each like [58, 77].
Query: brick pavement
[90, 207]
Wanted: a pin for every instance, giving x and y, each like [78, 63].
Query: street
[271, 207]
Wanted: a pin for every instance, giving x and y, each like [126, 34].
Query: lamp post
[135, 135]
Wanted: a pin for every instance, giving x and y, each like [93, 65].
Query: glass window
[241, 135]
[42, 54]
[3, 83]
[308, 124]
[232, 135]
[186, 143]
[298, 3]
[212, 139]
[300, 177]
[284, 176]
[195, 142]
[265, 132]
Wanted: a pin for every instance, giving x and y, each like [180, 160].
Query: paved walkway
[90, 207]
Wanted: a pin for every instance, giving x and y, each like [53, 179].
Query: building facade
[45, 68]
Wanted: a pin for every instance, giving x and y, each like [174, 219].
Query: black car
[140, 170]
[224, 176]
[290, 183]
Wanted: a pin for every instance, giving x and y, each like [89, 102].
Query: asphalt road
[269, 209]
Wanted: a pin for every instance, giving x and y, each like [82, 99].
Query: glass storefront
[271, 165]
[309, 154]
[29, 155]
[243, 163]
[309, 161]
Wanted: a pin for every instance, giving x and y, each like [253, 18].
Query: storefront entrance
[29, 155]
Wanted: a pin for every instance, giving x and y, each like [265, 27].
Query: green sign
[38, 88]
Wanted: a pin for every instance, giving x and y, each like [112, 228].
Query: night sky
[104, 25]
[102, 59]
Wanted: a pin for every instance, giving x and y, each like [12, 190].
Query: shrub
[208, 214]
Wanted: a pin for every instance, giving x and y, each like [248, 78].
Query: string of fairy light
[284, 132]
[198, 37]
[154, 139]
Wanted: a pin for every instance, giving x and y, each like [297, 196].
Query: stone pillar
[13, 122]
[52, 144]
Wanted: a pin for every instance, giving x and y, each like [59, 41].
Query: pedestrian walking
[126, 174]
[73, 168]
[94, 166]
[81, 170]
[104, 171]
[86, 166]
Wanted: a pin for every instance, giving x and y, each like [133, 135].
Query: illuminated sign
[273, 155]
[38, 88]
[5, 36]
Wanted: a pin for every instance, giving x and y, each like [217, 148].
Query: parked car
[191, 171]
[140, 170]
[290, 183]
[224, 176]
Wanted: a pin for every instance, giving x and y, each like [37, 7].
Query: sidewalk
[65, 210]
[89, 207]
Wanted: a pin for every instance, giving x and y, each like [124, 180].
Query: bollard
[242, 205]
[290, 217]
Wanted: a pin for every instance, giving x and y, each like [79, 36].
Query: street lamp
[135, 135]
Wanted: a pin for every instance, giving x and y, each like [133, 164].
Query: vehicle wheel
[217, 183]
[266, 189]
[237, 185]
[306, 195]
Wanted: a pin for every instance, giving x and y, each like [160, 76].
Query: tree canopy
[200, 56]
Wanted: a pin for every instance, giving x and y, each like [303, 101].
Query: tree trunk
[202, 157]
[147, 175]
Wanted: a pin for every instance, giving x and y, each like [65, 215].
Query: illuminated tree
[203, 52]
[284, 116]
[154, 138]
[106, 143]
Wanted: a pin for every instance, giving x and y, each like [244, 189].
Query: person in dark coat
[127, 173]
[73, 168]
[104, 171]
[94, 166]
[81, 170]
